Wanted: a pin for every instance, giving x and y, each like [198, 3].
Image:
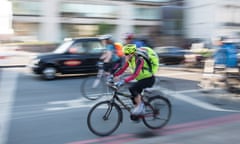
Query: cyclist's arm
[122, 69]
[139, 66]
[108, 56]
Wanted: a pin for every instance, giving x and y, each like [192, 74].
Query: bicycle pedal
[135, 118]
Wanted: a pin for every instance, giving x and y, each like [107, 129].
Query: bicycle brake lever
[111, 85]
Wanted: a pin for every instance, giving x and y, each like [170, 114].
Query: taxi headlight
[35, 61]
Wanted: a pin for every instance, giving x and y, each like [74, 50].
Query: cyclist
[141, 73]
[112, 61]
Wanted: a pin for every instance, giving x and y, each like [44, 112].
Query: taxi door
[82, 57]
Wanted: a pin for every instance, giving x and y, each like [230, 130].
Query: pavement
[15, 58]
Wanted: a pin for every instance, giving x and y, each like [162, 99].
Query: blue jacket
[227, 55]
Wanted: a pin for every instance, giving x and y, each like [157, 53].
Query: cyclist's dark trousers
[112, 67]
[137, 88]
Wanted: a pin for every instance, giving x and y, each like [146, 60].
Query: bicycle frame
[102, 74]
[116, 93]
[101, 71]
[115, 96]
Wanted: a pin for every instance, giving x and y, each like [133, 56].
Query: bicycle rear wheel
[104, 118]
[232, 82]
[94, 88]
[158, 112]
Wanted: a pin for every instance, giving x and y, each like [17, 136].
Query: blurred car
[73, 56]
[170, 55]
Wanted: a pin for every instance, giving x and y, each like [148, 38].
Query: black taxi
[73, 56]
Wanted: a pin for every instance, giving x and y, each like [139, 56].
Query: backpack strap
[148, 62]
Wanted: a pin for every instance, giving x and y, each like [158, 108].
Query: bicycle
[222, 77]
[232, 81]
[94, 87]
[110, 112]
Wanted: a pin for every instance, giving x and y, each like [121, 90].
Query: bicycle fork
[107, 113]
[111, 104]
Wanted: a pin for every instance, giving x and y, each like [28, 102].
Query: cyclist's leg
[107, 67]
[136, 90]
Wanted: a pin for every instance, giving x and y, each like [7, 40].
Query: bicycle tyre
[93, 88]
[100, 125]
[232, 83]
[155, 116]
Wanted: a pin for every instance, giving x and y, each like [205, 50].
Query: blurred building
[6, 30]
[53, 20]
[208, 18]
[172, 20]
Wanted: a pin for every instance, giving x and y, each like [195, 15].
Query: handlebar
[112, 86]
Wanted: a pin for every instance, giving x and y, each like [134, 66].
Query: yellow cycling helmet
[129, 49]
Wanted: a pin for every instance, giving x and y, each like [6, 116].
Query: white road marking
[80, 103]
[77, 103]
[177, 74]
[177, 95]
[196, 90]
[7, 90]
[68, 104]
[196, 102]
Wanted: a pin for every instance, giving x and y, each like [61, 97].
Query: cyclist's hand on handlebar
[110, 79]
[117, 78]
[119, 83]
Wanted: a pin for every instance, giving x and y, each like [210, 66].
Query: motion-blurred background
[41, 25]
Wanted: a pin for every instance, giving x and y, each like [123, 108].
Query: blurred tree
[104, 28]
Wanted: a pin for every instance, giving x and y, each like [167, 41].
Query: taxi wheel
[49, 73]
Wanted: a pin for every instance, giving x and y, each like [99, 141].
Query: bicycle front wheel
[104, 118]
[158, 112]
[94, 88]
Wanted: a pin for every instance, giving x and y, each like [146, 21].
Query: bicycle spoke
[93, 88]
[158, 112]
[96, 83]
[104, 118]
